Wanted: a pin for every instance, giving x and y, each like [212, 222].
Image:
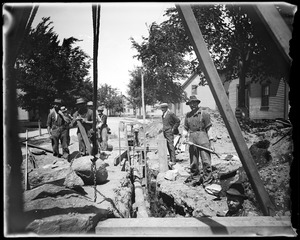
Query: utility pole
[144, 116]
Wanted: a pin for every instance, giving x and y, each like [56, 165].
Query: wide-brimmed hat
[164, 105]
[80, 100]
[236, 189]
[90, 103]
[63, 109]
[193, 98]
[57, 101]
[100, 108]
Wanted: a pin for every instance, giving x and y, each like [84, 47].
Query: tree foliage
[164, 63]
[233, 43]
[110, 97]
[45, 70]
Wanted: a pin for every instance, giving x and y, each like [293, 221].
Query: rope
[96, 23]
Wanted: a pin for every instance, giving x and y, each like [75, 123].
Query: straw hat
[80, 100]
[90, 103]
[164, 105]
[57, 101]
[63, 109]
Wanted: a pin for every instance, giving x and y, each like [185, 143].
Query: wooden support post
[162, 153]
[40, 130]
[274, 25]
[120, 159]
[144, 125]
[221, 99]
[26, 163]
[126, 143]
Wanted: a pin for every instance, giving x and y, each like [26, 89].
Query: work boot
[189, 179]
[208, 183]
[197, 182]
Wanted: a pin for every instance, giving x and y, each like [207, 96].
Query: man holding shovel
[197, 125]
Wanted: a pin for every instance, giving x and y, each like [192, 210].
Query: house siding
[276, 103]
[203, 93]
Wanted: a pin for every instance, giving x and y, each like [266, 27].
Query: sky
[118, 22]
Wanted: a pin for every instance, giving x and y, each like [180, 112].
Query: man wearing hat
[197, 125]
[56, 127]
[235, 199]
[84, 115]
[102, 128]
[68, 119]
[90, 105]
[170, 127]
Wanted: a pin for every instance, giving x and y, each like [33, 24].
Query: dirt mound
[271, 146]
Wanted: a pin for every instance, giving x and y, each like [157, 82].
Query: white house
[266, 100]
[203, 93]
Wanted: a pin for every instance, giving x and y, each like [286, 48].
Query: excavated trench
[162, 204]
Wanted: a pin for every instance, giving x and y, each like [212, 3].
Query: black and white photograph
[150, 119]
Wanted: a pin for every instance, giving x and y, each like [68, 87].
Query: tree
[135, 89]
[163, 61]
[45, 70]
[110, 98]
[233, 44]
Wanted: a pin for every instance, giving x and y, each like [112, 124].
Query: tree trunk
[241, 90]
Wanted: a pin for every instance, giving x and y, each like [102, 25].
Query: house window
[194, 89]
[265, 97]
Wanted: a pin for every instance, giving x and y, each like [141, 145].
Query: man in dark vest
[56, 127]
[85, 116]
[170, 127]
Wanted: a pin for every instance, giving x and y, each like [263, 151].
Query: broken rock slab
[83, 168]
[39, 176]
[171, 174]
[52, 209]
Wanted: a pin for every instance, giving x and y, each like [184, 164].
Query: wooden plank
[34, 146]
[162, 153]
[85, 137]
[120, 157]
[222, 102]
[196, 227]
[276, 27]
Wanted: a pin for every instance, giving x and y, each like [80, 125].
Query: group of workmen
[197, 131]
[60, 121]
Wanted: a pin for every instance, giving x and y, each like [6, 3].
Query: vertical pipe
[40, 131]
[144, 116]
[26, 163]
[120, 143]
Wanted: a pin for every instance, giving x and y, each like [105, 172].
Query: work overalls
[197, 127]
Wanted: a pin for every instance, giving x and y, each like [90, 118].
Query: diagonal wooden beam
[222, 102]
[274, 25]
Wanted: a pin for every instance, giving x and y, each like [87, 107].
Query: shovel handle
[204, 148]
